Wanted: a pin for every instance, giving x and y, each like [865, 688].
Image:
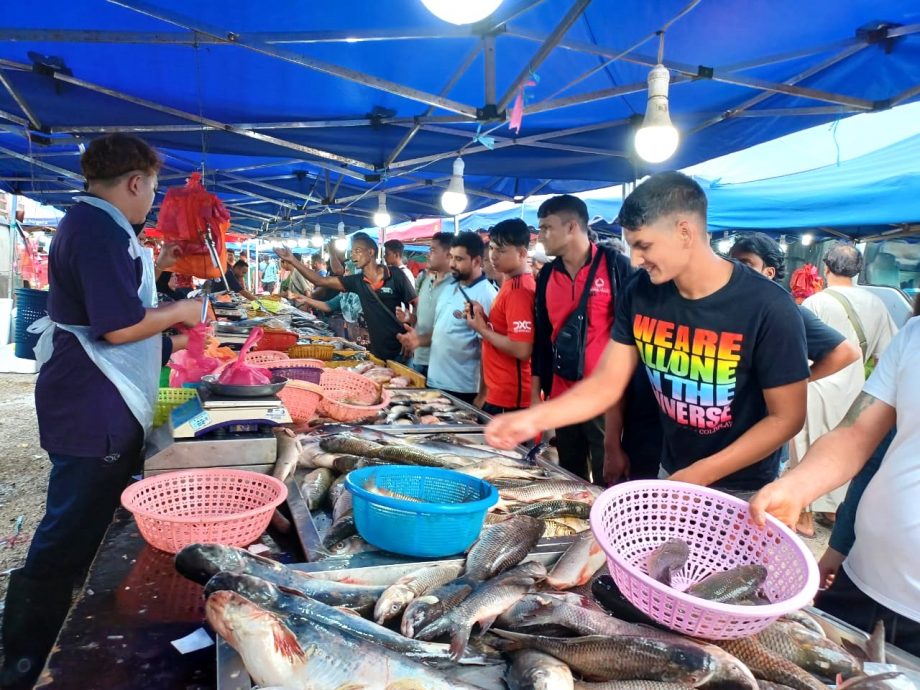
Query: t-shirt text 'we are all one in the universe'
[692, 371]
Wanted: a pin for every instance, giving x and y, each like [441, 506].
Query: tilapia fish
[315, 486]
[599, 657]
[769, 665]
[533, 670]
[350, 444]
[554, 509]
[502, 546]
[667, 559]
[810, 651]
[298, 654]
[484, 605]
[398, 595]
[200, 562]
[578, 564]
[269, 597]
[733, 586]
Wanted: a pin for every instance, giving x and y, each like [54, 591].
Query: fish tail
[459, 637]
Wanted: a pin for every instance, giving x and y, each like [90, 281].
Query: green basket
[169, 399]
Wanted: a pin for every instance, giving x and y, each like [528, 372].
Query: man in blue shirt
[100, 355]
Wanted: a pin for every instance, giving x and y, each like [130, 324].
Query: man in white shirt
[863, 319]
[880, 579]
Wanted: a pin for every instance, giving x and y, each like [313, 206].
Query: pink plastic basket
[231, 507]
[339, 385]
[301, 399]
[631, 519]
[265, 356]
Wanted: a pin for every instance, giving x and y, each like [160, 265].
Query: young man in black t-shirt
[723, 347]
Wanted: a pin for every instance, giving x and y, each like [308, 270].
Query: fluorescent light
[461, 11]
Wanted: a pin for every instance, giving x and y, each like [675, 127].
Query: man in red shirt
[507, 333]
[562, 282]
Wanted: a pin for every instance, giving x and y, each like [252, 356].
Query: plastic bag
[805, 282]
[242, 374]
[185, 217]
[190, 364]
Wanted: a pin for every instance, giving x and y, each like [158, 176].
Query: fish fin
[459, 638]
[875, 647]
[286, 642]
[854, 649]
[485, 624]
[506, 641]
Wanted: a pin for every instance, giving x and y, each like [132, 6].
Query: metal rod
[694, 72]
[14, 118]
[41, 164]
[786, 112]
[21, 102]
[309, 150]
[512, 14]
[488, 53]
[269, 37]
[791, 55]
[577, 149]
[544, 50]
[347, 73]
[448, 87]
[592, 97]
[906, 95]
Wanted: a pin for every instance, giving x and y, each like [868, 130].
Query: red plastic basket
[231, 507]
[276, 340]
[301, 399]
[341, 384]
[631, 519]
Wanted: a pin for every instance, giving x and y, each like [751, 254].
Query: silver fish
[397, 596]
[289, 452]
[350, 444]
[667, 559]
[299, 654]
[315, 486]
[351, 545]
[502, 546]
[532, 670]
[578, 564]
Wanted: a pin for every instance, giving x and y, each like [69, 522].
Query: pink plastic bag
[190, 364]
[242, 374]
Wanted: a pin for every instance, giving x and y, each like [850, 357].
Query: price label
[200, 421]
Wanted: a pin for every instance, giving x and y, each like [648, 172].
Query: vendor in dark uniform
[381, 290]
[100, 354]
[723, 347]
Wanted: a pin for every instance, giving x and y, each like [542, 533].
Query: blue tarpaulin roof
[302, 115]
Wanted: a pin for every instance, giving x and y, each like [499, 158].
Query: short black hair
[241, 264]
[365, 239]
[445, 239]
[510, 233]
[471, 241]
[660, 195]
[765, 247]
[565, 204]
[317, 259]
[394, 246]
[844, 259]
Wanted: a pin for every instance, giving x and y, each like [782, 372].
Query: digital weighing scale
[216, 431]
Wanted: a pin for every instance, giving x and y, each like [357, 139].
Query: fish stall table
[118, 633]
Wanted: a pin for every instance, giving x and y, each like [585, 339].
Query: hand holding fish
[781, 500]
[509, 430]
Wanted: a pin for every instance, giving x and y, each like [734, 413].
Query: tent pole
[41, 164]
[34, 122]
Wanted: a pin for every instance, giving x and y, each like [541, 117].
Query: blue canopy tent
[300, 116]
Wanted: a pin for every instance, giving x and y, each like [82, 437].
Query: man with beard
[456, 350]
[380, 289]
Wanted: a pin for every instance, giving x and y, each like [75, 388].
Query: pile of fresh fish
[494, 618]
[382, 375]
[424, 406]
[562, 505]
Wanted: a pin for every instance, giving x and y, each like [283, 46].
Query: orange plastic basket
[264, 356]
[314, 351]
[231, 507]
[301, 399]
[341, 384]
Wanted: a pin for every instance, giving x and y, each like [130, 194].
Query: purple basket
[631, 519]
[306, 374]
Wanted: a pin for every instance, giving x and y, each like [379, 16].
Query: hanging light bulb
[317, 240]
[657, 139]
[782, 244]
[465, 12]
[454, 200]
[382, 217]
[303, 241]
[806, 239]
[341, 242]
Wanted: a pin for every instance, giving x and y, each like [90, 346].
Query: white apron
[133, 368]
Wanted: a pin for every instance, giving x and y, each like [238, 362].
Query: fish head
[392, 603]
[247, 626]
[200, 562]
[416, 614]
[693, 656]
[533, 569]
[255, 589]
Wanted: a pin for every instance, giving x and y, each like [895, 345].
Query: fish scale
[770, 666]
[502, 546]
